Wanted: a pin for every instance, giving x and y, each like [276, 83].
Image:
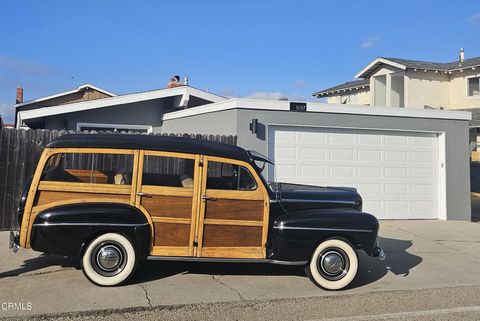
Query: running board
[222, 260]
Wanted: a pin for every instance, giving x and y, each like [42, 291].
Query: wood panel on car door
[172, 206]
[232, 223]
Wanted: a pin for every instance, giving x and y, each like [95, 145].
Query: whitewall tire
[109, 260]
[333, 265]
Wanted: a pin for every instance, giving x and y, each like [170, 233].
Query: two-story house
[394, 82]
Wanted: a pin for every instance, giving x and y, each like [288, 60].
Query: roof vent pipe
[461, 56]
[185, 81]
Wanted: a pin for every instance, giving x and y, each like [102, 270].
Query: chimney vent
[185, 81]
[461, 56]
[19, 96]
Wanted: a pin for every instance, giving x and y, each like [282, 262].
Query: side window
[168, 171]
[89, 168]
[227, 176]
[474, 86]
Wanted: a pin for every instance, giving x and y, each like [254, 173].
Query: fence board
[20, 151]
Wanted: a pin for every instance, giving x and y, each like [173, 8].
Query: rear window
[92, 168]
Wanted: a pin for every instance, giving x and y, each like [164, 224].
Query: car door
[234, 207]
[168, 192]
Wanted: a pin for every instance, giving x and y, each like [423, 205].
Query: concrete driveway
[420, 255]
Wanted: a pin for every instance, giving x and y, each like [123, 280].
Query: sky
[262, 49]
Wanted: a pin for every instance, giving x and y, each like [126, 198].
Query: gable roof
[184, 91]
[418, 64]
[80, 88]
[349, 85]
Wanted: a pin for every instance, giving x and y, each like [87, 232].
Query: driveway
[421, 255]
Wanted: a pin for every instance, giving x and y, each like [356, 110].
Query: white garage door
[396, 173]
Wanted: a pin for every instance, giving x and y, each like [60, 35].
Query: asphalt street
[432, 272]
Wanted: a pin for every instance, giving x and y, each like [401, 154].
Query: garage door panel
[314, 153]
[395, 156]
[341, 139]
[338, 154]
[368, 140]
[312, 171]
[369, 172]
[398, 189]
[395, 172]
[368, 155]
[421, 157]
[397, 141]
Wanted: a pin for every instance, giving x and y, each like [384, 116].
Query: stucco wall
[458, 90]
[360, 97]
[427, 88]
[217, 123]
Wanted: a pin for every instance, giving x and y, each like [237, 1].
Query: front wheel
[109, 260]
[333, 265]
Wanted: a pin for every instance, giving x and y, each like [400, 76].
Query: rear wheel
[109, 260]
[333, 265]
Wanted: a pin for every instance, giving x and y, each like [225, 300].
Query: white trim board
[118, 100]
[278, 105]
[66, 93]
[113, 126]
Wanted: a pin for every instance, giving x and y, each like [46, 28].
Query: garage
[407, 163]
[398, 173]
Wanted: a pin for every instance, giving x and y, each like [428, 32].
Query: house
[394, 82]
[407, 163]
[90, 108]
[84, 92]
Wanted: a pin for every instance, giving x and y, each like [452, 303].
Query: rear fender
[67, 229]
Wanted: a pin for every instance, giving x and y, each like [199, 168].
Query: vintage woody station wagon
[113, 200]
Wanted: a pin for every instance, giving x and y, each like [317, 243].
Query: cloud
[25, 67]
[7, 112]
[276, 95]
[299, 83]
[475, 19]
[227, 92]
[370, 42]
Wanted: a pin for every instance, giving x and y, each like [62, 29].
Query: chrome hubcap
[109, 257]
[333, 264]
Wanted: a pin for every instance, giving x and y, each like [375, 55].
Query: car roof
[151, 142]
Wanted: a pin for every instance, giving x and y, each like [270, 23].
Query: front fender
[296, 235]
[66, 229]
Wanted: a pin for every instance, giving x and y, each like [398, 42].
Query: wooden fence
[20, 151]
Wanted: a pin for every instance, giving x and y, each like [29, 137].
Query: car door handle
[206, 198]
[144, 194]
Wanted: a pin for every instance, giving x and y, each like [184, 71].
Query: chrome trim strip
[222, 260]
[287, 262]
[95, 224]
[320, 229]
[293, 200]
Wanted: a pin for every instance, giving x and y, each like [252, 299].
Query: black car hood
[297, 197]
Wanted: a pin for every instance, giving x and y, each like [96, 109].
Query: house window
[114, 128]
[474, 86]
